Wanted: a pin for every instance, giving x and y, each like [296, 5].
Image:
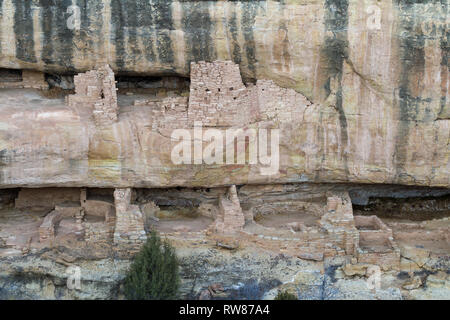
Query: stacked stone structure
[96, 90]
[129, 228]
[230, 218]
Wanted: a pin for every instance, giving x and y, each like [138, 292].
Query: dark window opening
[100, 194]
[61, 81]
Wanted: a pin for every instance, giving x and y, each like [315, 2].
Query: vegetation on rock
[154, 273]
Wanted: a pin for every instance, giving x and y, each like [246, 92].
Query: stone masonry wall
[279, 103]
[47, 228]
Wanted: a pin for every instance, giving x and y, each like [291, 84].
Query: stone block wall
[340, 224]
[83, 197]
[218, 98]
[150, 211]
[106, 109]
[69, 210]
[279, 103]
[45, 197]
[376, 245]
[100, 208]
[171, 112]
[371, 227]
[34, 80]
[387, 260]
[98, 232]
[47, 230]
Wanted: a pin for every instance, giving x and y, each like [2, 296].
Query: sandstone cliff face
[383, 46]
[380, 91]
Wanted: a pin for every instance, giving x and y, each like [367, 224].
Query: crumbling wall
[45, 198]
[29, 80]
[98, 231]
[149, 211]
[340, 224]
[96, 90]
[218, 97]
[279, 103]
[376, 244]
[129, 227]
[47, 230]
[171, 112]
[230, 218]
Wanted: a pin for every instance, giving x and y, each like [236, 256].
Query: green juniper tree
[153, 275]
[285, 295]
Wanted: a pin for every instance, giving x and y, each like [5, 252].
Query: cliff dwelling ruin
[311, 222]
